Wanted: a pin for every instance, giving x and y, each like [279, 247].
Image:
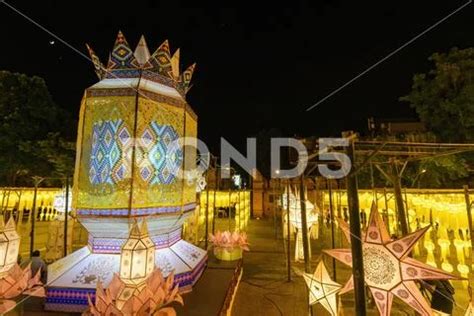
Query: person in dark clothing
[346, 215]
[442, 298]
[38, 264]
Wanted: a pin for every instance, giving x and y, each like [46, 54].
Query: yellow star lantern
[322, 289]
[388, 270]
[9, 246]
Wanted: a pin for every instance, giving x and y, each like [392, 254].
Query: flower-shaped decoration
[228, 240]
[152, 298]
[16, 282]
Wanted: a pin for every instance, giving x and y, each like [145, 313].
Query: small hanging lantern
[9, 246]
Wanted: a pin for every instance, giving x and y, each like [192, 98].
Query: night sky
[259, 65]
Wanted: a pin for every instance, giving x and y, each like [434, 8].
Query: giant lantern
[126, 169]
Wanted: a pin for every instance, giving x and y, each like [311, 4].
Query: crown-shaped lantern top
[160, 66]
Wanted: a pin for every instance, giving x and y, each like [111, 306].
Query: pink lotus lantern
[229, 246]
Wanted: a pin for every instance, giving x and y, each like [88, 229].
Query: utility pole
[356, 239]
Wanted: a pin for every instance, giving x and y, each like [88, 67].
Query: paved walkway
[264, 289]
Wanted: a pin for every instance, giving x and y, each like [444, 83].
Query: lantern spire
[122, 56]
[142, 54]
[175, 64]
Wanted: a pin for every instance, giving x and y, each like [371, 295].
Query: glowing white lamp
[137, 259]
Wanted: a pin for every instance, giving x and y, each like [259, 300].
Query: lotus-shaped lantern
[152, 298]
[229, 246]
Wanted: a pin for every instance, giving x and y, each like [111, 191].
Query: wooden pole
[471, 232]
[229, 222]
[288, 228]
[3, 200]
[386, 208]
[397, 192]
[304, 226]
[66, 215]
[407, 210]
[251, 195]
[331, 214]
[275, 229]
[37, 181]
[206, 231]
[237, 218]
[356, 241]
[216, 187]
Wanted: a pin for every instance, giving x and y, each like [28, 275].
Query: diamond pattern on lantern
[122, 52]
[146, 173]
[119, 173]
[147, 138]
[158, 155]
[107, 160]
[124, 136]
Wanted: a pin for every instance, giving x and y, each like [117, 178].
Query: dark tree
[444, 96]
[30, 122]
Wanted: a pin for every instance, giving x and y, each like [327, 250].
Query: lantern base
[228, 254]
[72, 278]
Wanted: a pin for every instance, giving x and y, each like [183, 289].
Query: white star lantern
[388, 270]
[322, 289]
